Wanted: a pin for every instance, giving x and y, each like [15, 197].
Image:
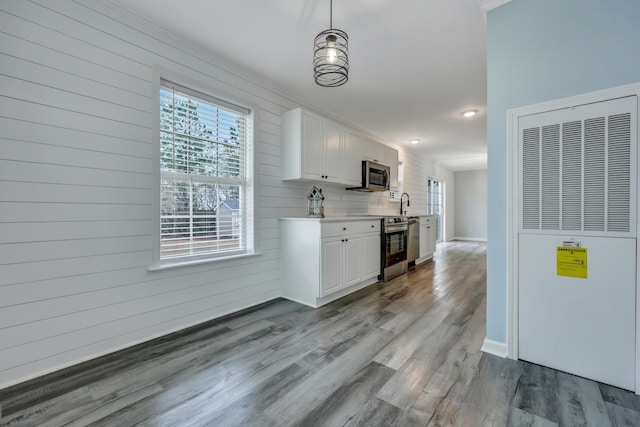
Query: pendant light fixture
[330, 56]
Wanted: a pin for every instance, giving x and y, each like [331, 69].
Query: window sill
[178, 264]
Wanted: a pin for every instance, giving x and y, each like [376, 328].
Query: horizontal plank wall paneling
[416, 172]
[76, 159]
[76, 179]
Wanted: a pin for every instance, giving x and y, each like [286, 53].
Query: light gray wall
[541, 50]
[471, 205]
[76, 177]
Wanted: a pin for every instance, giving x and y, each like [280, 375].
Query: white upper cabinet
[359, 147]
[312, 147]
[353, 143]
[373, 150]
[318, 149]
[333, 151]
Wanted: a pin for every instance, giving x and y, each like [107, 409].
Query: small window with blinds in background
[203, 211]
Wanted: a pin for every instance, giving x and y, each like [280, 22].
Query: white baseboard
[471, 239]
[494, 347]
[345, 292]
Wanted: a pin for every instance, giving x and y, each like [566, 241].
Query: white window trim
[160, 73]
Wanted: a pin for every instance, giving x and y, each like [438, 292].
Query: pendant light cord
[331, 15]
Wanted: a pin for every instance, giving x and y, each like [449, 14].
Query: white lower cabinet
[353, 260]
[424, 241]
[331, 261]
[341, 264]
[371, 261]
[427, 238]
[324, 259]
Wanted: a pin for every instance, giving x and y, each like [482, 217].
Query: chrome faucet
[401, 203]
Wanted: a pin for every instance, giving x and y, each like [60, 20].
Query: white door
[581, 326]
[577, 240]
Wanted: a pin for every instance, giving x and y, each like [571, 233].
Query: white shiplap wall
[76, 200]
[417, 170]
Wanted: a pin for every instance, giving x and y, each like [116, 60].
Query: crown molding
[487, 5]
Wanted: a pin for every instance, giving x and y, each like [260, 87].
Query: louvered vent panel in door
[572, 175]
[594, 174]
[619, 176]
[550, 177]
[531, 179]
[578, 169]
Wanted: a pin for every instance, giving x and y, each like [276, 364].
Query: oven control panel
[395, 220]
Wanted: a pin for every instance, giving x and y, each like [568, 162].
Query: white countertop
[337, 218]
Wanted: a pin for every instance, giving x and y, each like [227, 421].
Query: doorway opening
[435, 205]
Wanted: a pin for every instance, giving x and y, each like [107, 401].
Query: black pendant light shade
[330, 56]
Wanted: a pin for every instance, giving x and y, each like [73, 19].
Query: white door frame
[442, 207]
[513, 208]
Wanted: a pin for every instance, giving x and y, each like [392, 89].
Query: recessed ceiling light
[470, 113]
[414, 141]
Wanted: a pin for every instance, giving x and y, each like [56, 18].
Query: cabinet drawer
[427, 220]
[372, 226]
[331, 229]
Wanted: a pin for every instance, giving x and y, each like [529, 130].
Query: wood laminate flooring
[402, 353]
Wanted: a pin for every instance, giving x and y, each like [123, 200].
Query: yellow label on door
[571, 261]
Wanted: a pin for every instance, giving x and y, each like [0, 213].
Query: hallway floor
[401, 353]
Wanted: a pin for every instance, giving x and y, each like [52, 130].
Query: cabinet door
[373, 150]
[333, 154]
[312, 146]
[352, 259]
[431, 238]
[331, 280]
[370, 257]
[352, 164]
[424, 241]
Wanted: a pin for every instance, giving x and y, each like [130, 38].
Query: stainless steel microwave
[375, 177]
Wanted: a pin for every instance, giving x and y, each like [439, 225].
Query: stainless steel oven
[394, 246]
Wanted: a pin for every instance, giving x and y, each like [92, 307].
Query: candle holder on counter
[315, 198]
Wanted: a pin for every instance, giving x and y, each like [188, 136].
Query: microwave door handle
[386, 178]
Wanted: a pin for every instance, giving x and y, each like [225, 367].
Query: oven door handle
[395, 228]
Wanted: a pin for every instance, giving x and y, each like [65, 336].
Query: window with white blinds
[203, 144]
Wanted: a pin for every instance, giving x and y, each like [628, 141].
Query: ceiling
[414, 65]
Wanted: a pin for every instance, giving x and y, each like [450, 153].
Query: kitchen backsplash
[339, 201]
